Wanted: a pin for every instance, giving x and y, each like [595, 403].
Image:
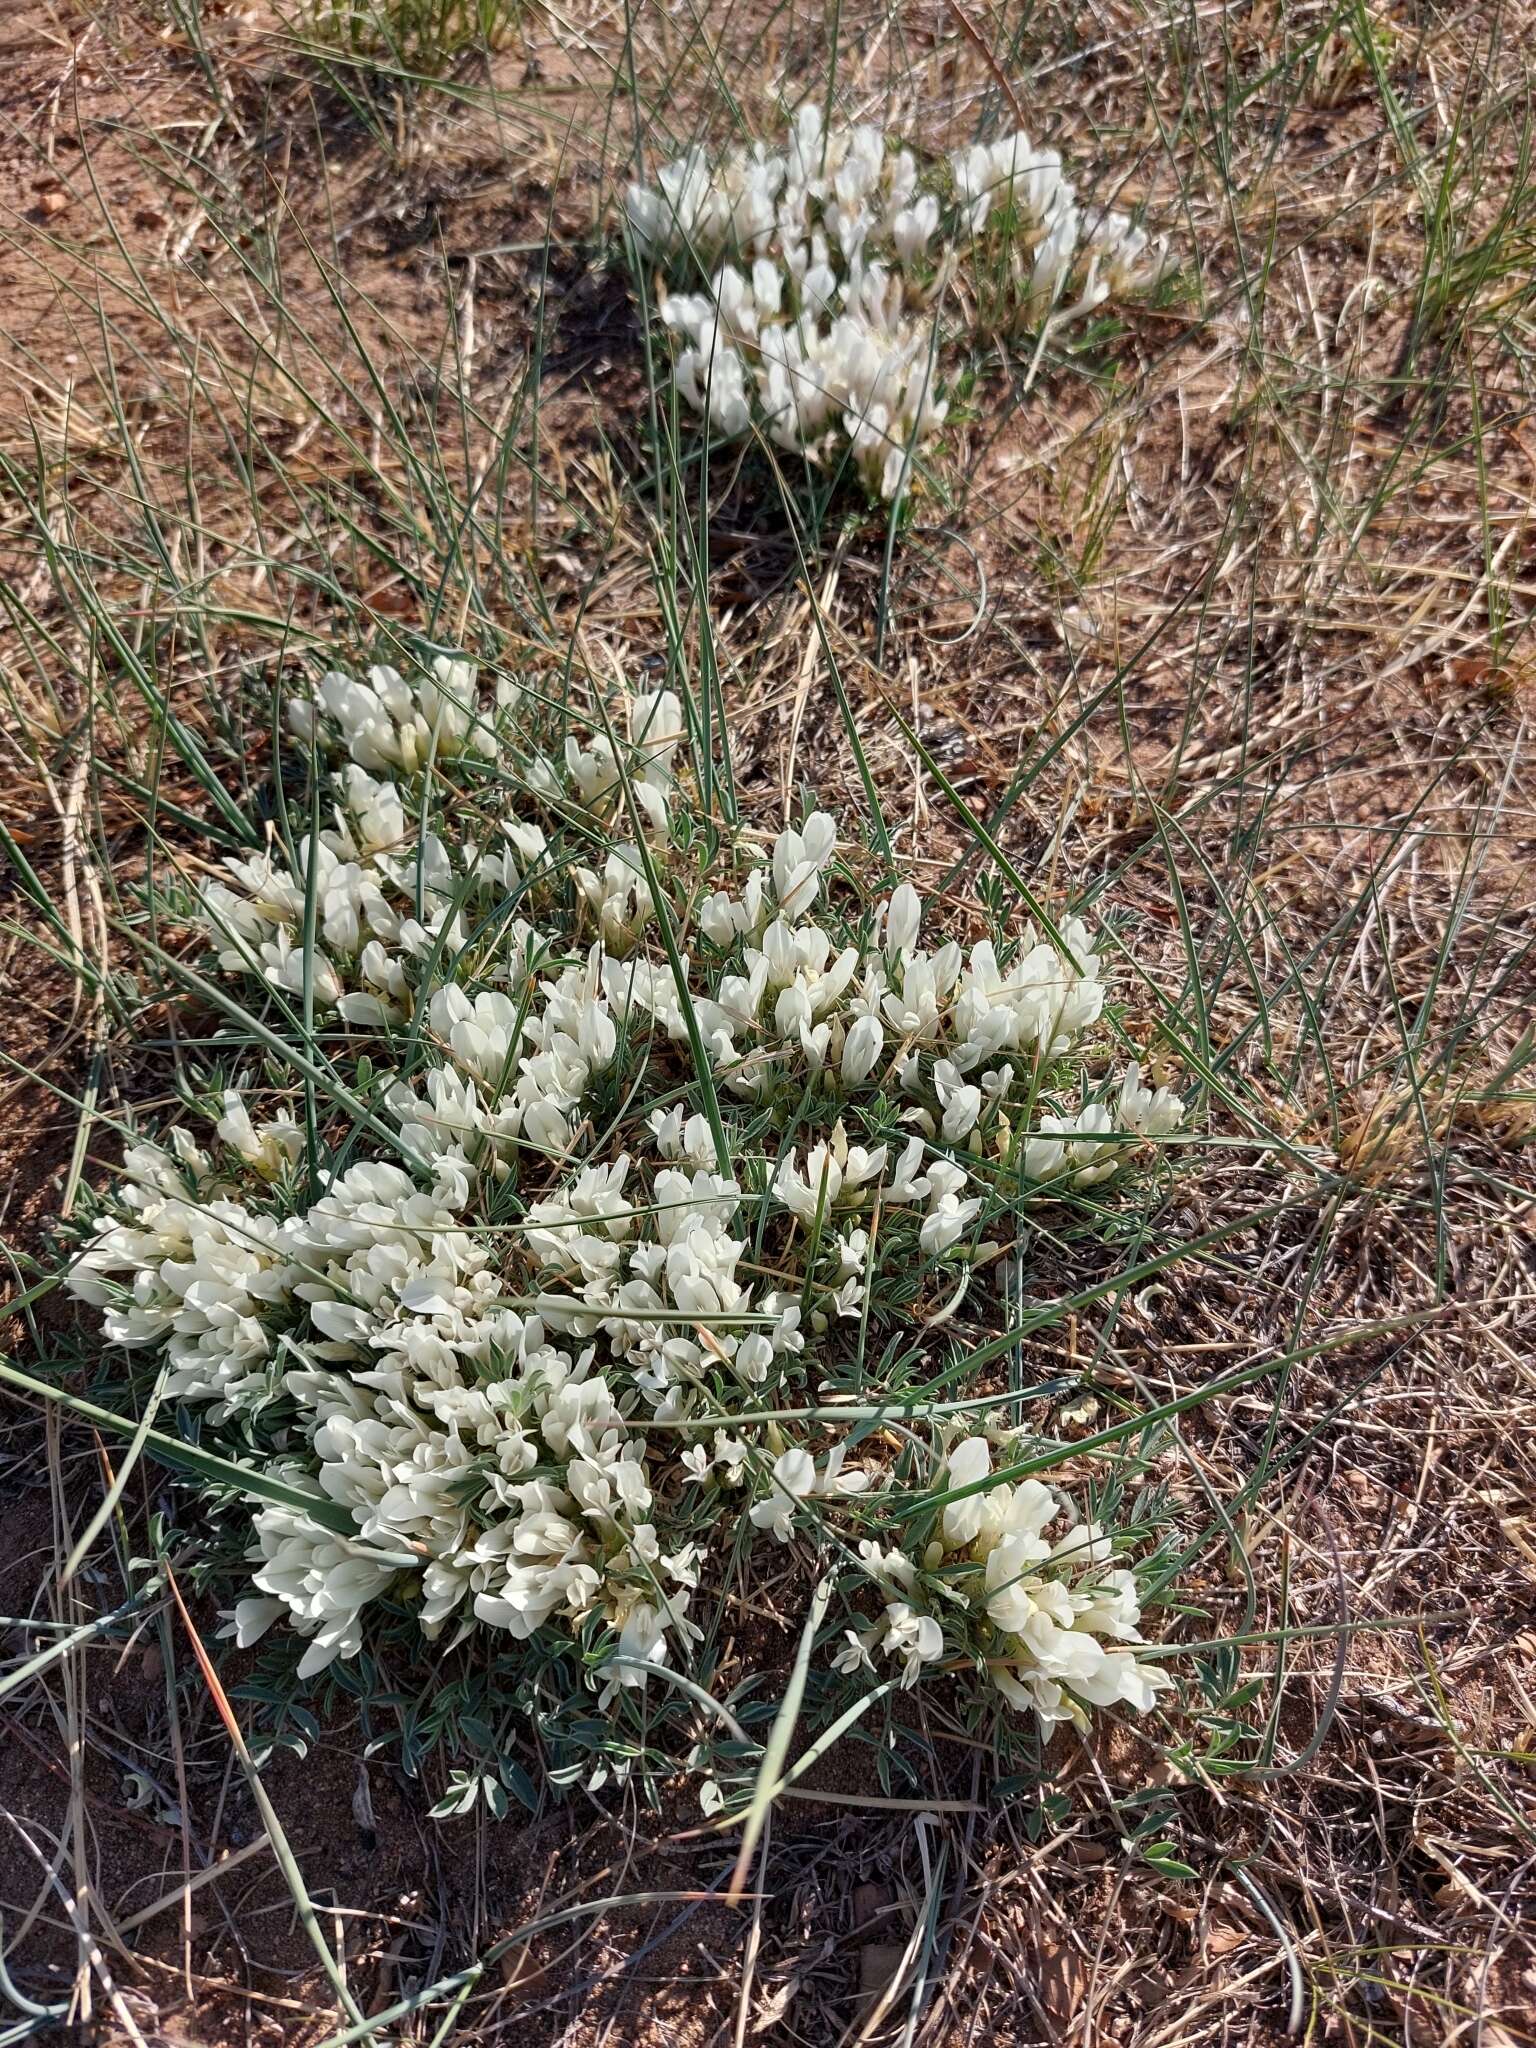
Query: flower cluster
[1032, 1612]
[633, 1152]
[821, 267]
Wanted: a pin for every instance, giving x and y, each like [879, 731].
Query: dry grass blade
[293, 1876]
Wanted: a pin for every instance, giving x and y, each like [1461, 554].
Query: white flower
[967, 1464]
[948, 1216]
[619, 895]
[724, 918]
[388, 723]
[1150, 1114]
[731, 1456]
[907, 1184]
[960, 1101]
[793, 1480]
[891, 1569]
[820, 265]
[861, 1050]
[912, 1640]
[323, 1580]
[836, 1478]
[903, 919]
[1072, 1144]
[854, 1655]
[916, 1009]
[913, 228]
[798, 859]
[540, 1361]
[271, 1150]
[1042, 1157]
[814, 1192]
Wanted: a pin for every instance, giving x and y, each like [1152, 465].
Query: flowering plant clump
[817, 273]
[630, 1151]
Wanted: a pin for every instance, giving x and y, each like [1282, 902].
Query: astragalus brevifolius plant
[619, 1228]
[808, 290]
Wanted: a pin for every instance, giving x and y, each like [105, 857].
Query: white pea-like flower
[912, 1640]
[1150, 1113]
[903, 919]
[968, 1464]
[798, 859]
[793, 1480]
[960, 1101]
[814, 1192]
[567, 1315]
[862, 1046]
[806, 280]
